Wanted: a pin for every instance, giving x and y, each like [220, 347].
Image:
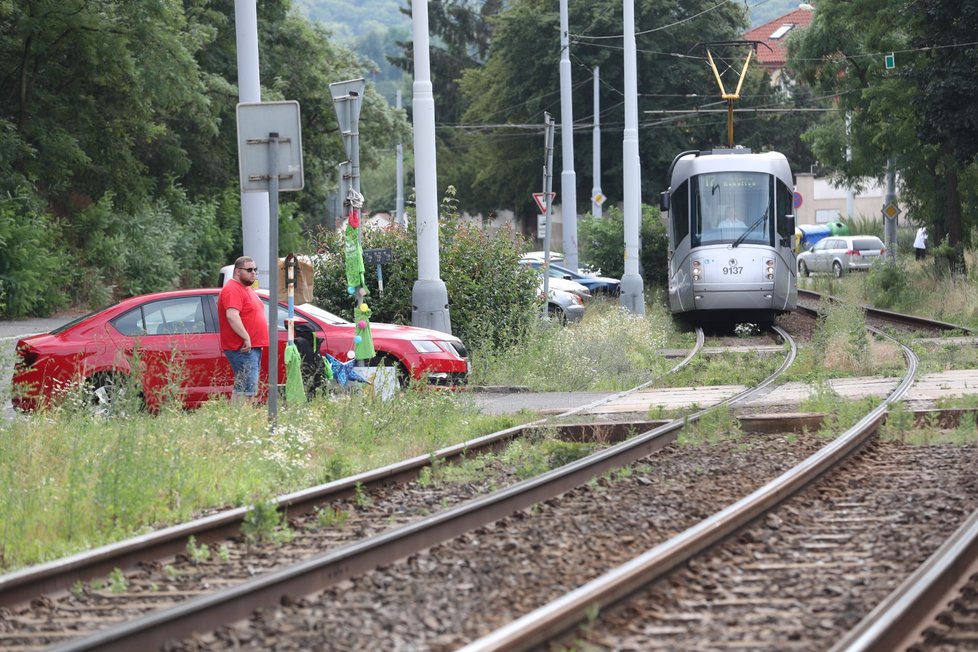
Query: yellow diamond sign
[891, 210]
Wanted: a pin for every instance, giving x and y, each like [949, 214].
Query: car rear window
[862, 244]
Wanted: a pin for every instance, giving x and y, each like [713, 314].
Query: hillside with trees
[118, 169]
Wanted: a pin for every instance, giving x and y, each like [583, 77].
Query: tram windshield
[732, 207]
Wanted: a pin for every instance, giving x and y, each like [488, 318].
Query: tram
[730, 226]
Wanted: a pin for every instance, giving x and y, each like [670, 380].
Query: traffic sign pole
[547, 205]
[890, 213]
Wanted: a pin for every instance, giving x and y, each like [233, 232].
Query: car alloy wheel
[837, 269]
[803, 268]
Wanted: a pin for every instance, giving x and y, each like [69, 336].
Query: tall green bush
[32, 259]
[492, 298]
[888, 285]
[601, 243]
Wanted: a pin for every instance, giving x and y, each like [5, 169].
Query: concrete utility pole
[596, 147]
[399, 218]
[568, 180]
[254, 205]
[429, 297]
[632, 286]
[850, 194]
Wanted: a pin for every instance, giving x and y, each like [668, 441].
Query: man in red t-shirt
[243, 328]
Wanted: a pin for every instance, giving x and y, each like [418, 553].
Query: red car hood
[408, 333]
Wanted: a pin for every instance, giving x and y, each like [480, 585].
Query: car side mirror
[664, 200]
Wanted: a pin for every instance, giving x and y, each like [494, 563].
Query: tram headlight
[770, 269]
[696, 270]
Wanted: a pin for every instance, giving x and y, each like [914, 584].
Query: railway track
[65, 573]
[70, 573]
[339, 572]
[884, 319]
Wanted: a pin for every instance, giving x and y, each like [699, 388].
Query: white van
[227, 273]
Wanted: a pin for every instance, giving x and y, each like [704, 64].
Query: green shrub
[492, 297]
[887, 285]
[601, 242]
[31, 278]
[948, 260]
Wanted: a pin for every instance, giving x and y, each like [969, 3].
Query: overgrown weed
[71, 481]
[609, 350]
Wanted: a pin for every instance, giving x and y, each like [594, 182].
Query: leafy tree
[519, 81]
[920, 115]
[461, 36]
[945, 106]
[118, 120]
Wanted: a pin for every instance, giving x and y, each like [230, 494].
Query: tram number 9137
[728, 271]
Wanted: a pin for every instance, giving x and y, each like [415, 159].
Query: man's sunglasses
[250, 270]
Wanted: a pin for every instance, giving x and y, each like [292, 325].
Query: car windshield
[563, 270]
[323, 315]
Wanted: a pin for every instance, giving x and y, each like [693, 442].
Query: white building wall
[822, 202]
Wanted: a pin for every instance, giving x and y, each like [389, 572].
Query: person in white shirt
[920, 244]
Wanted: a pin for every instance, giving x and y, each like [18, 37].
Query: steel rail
[912, 320]
[62, 574]
[899, 620]
[563, 614]
[207, 612]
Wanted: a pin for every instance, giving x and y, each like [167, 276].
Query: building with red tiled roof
[774, 33]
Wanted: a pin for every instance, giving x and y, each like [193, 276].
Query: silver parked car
[838, 254]
[565, 307]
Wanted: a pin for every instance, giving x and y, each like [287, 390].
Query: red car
[172, 339]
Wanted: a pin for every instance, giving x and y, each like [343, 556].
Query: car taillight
[852, 252]
[882, 251]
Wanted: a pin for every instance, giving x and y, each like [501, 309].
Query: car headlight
[454, 346]
[425, 346]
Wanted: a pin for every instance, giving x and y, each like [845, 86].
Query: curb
[499, 389]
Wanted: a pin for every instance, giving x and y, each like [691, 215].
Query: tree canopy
[921, 114]
[118, 140]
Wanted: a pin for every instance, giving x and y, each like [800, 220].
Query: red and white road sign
[541, 204]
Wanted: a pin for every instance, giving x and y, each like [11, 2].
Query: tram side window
[679, 212]
[785, 205]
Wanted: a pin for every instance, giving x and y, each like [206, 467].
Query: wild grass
[910, 286]
[70, 481]
[609, 350]
[713, 427]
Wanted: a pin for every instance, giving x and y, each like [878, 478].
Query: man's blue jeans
[245, 367]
